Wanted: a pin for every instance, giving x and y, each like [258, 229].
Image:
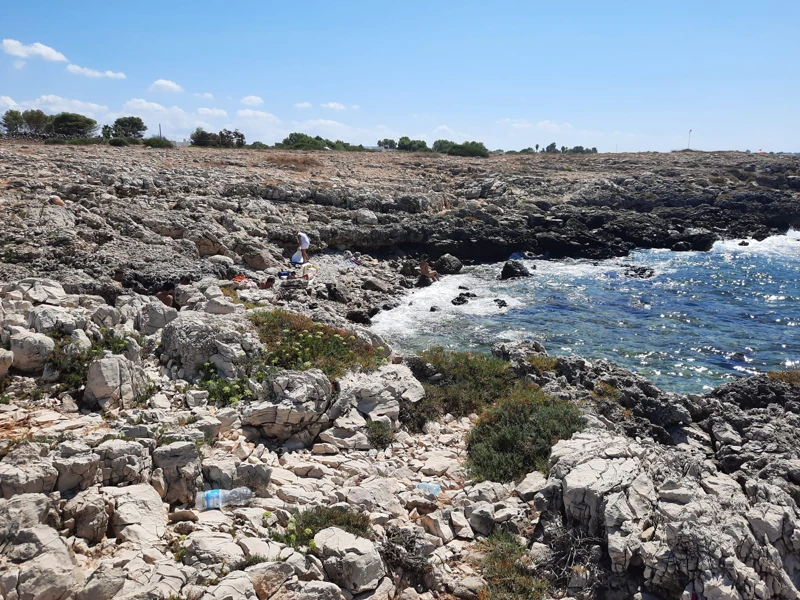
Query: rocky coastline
[117, 410]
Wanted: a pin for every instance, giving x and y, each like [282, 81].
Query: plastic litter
[297, 258]
[430, 488]
[218, 498]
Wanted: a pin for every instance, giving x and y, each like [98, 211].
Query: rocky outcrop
[350, 561]
[27, 469]
[31, 351]
[180, 465]
[114, 382]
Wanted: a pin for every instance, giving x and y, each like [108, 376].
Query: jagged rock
[114, 382]
[31, 351]
[300, 410]
[36, 290]
[379, 395]
[447, 264]
[180, 464]
[268, 578]
[26, 470]
[138, 515]
[52, 319]
[76, 471]
[155, 316]
[376, 285]
[48, 566]
[103, 583]
[23, 511]
[124, 462]
[6, 360]
[530, 486]
[88, 510]
[481, 517]
[513, 269]
[350, 561]
[214, 548]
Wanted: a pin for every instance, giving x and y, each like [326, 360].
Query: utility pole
[689, 145]
[159, 131]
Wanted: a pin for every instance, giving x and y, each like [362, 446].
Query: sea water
[701, 320]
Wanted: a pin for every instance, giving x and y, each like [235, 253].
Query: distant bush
[306, 524]
[791, 377]
[605, 391]
[258, 146]
[406, 144]
[132, 141]
[504, 569]
[514, 437]
[85, 141]
[297, 342]
[542, 362]
[469, 149]
[302, 141]
[118, 142]
[157, 142]
[250, 561]
[379, 434]
[55, 142]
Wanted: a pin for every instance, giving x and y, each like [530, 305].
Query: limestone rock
[27, 469]
[88, 510]
[124, 462]
[138, 513]
[6, 360]
[154, 316]
[31, 351]
[37, 290]
[350, 561]
[114, 382]
[180, 464]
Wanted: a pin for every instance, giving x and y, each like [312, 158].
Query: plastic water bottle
[219, 498]
[433, 489]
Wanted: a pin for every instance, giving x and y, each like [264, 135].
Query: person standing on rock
[304, 243]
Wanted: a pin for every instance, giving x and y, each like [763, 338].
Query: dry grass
[791, 377]
[301, 162]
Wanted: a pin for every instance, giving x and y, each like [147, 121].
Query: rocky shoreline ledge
[116, 410]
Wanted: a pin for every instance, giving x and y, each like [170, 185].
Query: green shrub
[380, 434]
[5, 399]
[505, 571]
[469, 149]
[118, 142]
[297, 342]
[471, 381]
[74, 368]
[791, 377]
[157, 142]
[258, 146]
[514, 437]
[605, 391]
[306, 524]
[253, 559]
[55, 142]
[221, 391]
[542, 362]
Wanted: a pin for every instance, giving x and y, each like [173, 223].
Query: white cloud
[15, 48]
[92, 73]
[546, 125]
[444, 129]
[303, 105]
[252, 101]
[6, 102]
[165, 85]
[313, 123]
[249, 113]
[206, 95]
[333, 105]
[175, 122]
[19, 64]
[212, 112]
[355, 107]
[54, 104]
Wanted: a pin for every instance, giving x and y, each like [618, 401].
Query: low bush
[605, 391]
[74, 368]
[379, 434]
[507, 575]
[404, 552]
[297, 342]
[253, 559]
[118, 142]
[257, 146]
[306, 524]
[542, 362]
[514, 437]
[791, 377]
[470, 382]
[157, 142]
[55, 142]
[221, 391]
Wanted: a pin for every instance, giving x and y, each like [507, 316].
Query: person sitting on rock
[167, 294]
[425, 269]
[268, 284]
[304, 243]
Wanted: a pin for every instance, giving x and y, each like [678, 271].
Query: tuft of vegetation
[605, 391]
[379, 434]
[55, 142]
[303, 526]
[258, 146]
[791, 377]
[514, 437]
[157, 142]
[250, 561]
[297, 342]
[233, 295]
[542, 363]
[403, 552]
[5, 399]
[118, 142]
[74, 368]
[507, 575]
[470, 382]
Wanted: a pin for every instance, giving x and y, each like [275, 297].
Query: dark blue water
[703, 319]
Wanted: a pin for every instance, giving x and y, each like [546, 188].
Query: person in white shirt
[304, 242]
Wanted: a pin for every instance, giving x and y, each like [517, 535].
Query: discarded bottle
[430, 488]
[219, 498]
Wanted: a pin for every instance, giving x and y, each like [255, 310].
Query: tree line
[552, 148]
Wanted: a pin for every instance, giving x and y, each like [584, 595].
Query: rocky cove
[118, 409]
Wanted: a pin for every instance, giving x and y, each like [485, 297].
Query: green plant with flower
[297, 342]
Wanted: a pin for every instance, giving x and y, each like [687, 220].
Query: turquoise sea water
[704, 318]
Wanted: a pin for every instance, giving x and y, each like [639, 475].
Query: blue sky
[626, 75]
